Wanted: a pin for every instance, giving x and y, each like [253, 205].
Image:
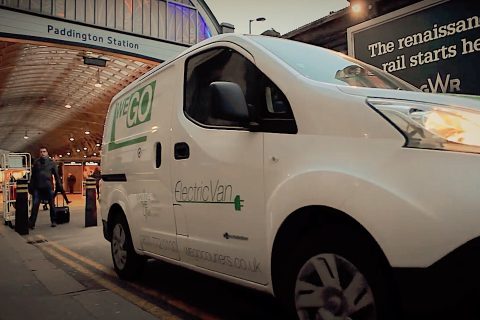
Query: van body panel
[214, 193]
[137, 126]
[267, 288]
[224, 206]
[442, 99]
[151, 171]
[114, 193]
[378, 194]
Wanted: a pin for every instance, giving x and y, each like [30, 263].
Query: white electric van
[297, 171]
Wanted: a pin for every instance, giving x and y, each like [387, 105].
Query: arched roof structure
[79, 53]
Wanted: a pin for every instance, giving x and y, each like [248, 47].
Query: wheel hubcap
[329, 287]
[118, 246]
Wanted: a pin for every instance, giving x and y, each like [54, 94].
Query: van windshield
[328, 66]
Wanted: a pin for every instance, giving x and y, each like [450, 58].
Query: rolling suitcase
[62, 212]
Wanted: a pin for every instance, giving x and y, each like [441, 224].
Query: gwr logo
[449, 85]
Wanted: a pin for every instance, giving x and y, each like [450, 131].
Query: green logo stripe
[237, 203]
[113, 145]
[217, 202]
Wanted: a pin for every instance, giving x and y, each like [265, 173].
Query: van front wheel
[127, 263]
[328, 286]
[331, 276]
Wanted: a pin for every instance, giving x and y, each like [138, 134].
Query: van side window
[267, 104]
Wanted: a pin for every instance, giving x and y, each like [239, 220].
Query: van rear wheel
[127, 263]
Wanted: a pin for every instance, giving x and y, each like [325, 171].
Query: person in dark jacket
[97, 175]
[64, 194]
[71, 182]
[41, 187]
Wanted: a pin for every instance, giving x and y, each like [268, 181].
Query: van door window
[267, 104]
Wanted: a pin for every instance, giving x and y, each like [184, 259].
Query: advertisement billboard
[434, 45]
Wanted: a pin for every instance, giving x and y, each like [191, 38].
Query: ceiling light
[85, 148]
[78, 150]
[98, 145]
[60, 156]
[72, 139]
[26, 135]
[84, 156]
[94, 153]
[68, 153]
[68, 106]
[87, 132]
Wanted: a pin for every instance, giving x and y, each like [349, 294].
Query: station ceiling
[37, 82]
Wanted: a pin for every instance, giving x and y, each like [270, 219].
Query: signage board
[433, 44]
[19, 25]
[16, 161]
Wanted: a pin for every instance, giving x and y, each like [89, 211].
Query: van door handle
[158, 155]
[182, 151]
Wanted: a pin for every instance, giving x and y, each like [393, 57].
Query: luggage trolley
[14, 166]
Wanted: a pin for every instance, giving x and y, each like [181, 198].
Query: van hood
[437, 98]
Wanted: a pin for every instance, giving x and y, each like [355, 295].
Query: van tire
[324, 263]
[127, 263]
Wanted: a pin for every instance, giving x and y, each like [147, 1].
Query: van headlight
[432, 126]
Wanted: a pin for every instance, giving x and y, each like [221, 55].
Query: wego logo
[136, 109]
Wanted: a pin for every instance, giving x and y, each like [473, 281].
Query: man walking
[41, 187]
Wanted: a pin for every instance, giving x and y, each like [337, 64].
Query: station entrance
[61, 62]
[58, 96]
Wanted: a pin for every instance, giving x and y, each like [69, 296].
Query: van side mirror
[228, 102]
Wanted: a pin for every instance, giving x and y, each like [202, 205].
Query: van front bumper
[448, 289]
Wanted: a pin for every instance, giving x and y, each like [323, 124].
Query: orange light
[454, 125]
[357, 8]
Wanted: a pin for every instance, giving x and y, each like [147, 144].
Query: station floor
[31, 287]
